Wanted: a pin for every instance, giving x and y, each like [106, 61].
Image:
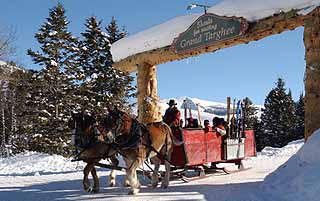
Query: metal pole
[228, 115]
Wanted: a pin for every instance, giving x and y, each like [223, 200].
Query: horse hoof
[95, 190]
[126, 184]
[88, 189]
[133, 192]
[154, 185]
[164, 185]
[112, 184]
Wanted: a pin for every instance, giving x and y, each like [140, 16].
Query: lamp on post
[191, 6]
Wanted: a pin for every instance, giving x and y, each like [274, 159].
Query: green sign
[207, 30]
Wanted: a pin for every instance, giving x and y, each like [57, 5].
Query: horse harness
[83, 142]
[140, 136]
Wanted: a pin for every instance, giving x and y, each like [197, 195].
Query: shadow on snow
[72, 190]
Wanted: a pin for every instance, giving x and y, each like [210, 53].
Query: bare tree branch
[7, 38]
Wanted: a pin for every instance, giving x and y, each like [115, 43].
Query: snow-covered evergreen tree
[250, 112]
[57, 48]
[3, 108]
[278, 118]
[252, 122]
[26, 109]
[100, 84]
[8, 107]
[300, 117]
[114, 32]
[128, 91]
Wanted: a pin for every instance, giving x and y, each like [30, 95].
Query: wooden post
[312, 73]
[148, 107]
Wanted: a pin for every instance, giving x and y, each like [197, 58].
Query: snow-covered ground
[299, 178]
[34, 176]
[33, 163]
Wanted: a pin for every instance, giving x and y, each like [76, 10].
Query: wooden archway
[145, 63]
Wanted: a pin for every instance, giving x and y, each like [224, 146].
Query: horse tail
[175, 140]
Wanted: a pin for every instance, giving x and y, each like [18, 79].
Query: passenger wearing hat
[172, 114]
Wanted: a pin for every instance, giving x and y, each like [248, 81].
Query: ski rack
[234, 145]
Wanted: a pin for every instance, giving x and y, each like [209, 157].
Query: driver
[172, 114]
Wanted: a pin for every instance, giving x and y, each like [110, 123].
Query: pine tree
[252, 122]
[26, 112]
[259, 135]
[57, 48]
[2, 116]
[114, 32]
[278, 118]
[10, 114]
[250, 112]
[291, 118]
[300, 118]
[128, 91]
[95, 61]
[9, 107]
[100, 84]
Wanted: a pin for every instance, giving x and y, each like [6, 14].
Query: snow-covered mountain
[208, 109]
[2, 63]
[6, 69]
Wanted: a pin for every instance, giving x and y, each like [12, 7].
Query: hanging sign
[207, 30]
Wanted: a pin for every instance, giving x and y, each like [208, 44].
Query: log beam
[148, 99]
[256, 31]
[312, 73]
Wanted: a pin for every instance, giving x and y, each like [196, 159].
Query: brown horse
[137, 142]
[90, 142]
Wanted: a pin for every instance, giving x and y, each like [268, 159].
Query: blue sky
[245, 70]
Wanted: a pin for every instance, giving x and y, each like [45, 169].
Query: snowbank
[297, 179]
[163, 35]
[33, 163]
[288, 150]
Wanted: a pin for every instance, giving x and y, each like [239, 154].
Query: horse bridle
[116, 132]
[78, 133]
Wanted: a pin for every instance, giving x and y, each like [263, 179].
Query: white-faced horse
[137, 142]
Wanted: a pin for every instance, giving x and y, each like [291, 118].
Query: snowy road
[67, 186]
[34, 176]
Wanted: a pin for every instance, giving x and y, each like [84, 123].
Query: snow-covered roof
[163, 35]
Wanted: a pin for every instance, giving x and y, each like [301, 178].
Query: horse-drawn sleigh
[196, 149]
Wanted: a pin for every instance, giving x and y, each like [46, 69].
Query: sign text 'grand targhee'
[207, 30]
